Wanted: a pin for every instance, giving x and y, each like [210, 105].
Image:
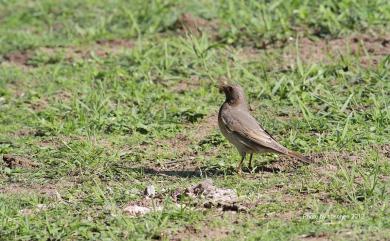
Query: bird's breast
[228, 134]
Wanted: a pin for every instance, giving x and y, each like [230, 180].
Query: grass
[96, 116]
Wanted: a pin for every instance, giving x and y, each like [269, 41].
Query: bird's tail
[298, 156]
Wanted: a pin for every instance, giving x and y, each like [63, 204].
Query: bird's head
[234, 94]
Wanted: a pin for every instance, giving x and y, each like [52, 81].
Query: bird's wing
[249, 132]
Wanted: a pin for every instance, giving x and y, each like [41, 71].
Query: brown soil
[59, 141]
[39, 105]
[112, 43]
[385, 150]
[286, 216]
[333, 156]
[204, 233]
[187, 23]
[316, 237]
[205, 127]
[23, 132]
[180, 143]
[182, 86]
[368, 49]
[42, 103]
[102, 48]
[62, 96]
[18, 57]
[40, 189]
[13, 161]
[284, 163]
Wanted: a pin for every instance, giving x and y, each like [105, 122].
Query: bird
[242, 130]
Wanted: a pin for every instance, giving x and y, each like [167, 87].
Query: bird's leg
[239, 167]
[250, 162]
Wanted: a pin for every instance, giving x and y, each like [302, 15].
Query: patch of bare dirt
[112, 43]
[39, 105]
[182, 86]
[204, 233]
[206, 126]
[328, 168]
[188, 23]
[18, 57]
[61, 140]
[357, 156]
[54, 142]
[40, 189]
[385, 178]
[180, 144]
[24, 132]
[385, 150]
[316, 237]
[29, 132]
[13, 161]
[368, 49]
[286, 216]
[102, 48]
[331, 157]
[278, 163]
[42, 103]
[62, 96]
[48, 55]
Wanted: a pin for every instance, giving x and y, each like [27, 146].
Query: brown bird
[242, 129]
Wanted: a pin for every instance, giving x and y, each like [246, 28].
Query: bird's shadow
[204, 171]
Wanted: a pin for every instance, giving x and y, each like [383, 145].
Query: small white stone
[150, 191]
[136, 210]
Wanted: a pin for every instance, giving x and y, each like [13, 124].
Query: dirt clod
[211, 195]
[206, 195]
[205, 233]
[13, 161]
[190, 24]
[18, 57]
[385, 150]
